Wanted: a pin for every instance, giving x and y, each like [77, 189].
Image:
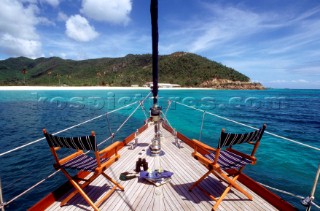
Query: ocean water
[281, 164]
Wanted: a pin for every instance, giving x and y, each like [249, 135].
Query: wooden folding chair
[218, 160]
[82, 162]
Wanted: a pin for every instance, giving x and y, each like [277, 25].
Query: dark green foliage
[181, 68]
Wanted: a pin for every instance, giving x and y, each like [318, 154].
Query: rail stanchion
[1, 198]
[308, 201]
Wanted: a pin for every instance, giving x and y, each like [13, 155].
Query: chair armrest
[202, 145]
[113, 148]
[205, 161]
[107, 164]
[70, 157]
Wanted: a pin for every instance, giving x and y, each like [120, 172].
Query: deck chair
[225, 158]
[82, 162]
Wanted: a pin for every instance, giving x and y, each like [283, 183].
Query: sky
[276, 43]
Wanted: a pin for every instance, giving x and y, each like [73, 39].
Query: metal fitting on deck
[155, 113]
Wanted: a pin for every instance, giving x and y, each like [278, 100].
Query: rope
[113, 134]
[239, 123]
[141, 102]
[282, 191]
[66, 129]
[166, 119]
[144, 111]
[169, 105]
[204, 113]
[125, 121]
[165, 113]
[316, 205]
[142, 106]
[108, 123]
[32, 187]
[105, 140]
[287, 193]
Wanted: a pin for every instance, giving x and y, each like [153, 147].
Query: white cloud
[53, 3]
[311, 69]
[18, 36]
[29, 1]
[112, 11]
[253, 42]
[225, 25]
[79, 29]
[290, 81]
[300, 81]
[17, 46]
[18, 20]
[279, 81]
[46, 21]
[62, 16]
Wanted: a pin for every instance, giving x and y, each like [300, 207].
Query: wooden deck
[141, 195]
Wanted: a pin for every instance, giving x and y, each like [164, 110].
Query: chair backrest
[79, 143]
[229, 139]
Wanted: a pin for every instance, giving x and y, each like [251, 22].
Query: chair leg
[73, 193]
[79, 189]
[113, 181]
[199, 180]
[233, 183]
[222, 197]
[105, 197]
[70, 196]
[84, 195]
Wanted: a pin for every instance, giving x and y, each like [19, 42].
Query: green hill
[185, 69]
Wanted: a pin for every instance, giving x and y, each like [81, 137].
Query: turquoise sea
[282, 164]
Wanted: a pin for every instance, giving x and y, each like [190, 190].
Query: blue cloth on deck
[155, 175]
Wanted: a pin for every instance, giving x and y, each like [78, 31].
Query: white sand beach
[17, 88]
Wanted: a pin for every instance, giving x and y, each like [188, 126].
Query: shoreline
[22, 88]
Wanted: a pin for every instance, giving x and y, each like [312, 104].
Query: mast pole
[155, 40]
[155, 147]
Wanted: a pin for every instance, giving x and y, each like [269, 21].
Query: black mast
[155, 40]
[155, 147]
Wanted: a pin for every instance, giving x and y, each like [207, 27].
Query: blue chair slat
[83, 163]
[229, 160]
